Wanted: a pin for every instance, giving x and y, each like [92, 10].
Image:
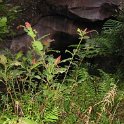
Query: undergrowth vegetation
[35, 89]
[7, 15]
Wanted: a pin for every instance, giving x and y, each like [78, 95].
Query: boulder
[86, 9]
[58, 26]
[62, 18]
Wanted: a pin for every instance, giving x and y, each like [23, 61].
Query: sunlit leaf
[38, 77]
[3, 59]
[17, 63]
[26, 121]
[51, 116]
[19, 55]
[37, 45]
[61, 70]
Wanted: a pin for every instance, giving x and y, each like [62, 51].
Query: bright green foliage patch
[3, 26]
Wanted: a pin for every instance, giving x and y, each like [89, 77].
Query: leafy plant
[3, 26]
[8, 14]
[34, 92]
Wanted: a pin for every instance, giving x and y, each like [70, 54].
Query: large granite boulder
[61, 18]
[58, 27]
[86, 9]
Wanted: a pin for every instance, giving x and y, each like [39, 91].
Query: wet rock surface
[60, 18]
[86, 9]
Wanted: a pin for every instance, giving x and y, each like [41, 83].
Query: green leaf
[86, 37]
[19, 55]
[31, 33]
[16, 63]
[3, 25]
[38, 77]
[37, 45]
[3, 59]
[26, 121]
[60, 70]
[3, 21]
[51, 116]
[67, 105]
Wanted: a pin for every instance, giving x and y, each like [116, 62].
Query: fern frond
[111, 25]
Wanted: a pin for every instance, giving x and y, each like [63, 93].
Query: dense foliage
[35, 89]
[7, 15]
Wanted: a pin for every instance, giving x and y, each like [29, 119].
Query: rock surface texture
[61, 18]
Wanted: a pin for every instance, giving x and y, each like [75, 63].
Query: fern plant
[110, 25]
[36, 95]
[108, 42]
[111, 38]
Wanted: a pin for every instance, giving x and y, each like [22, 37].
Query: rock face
[61, 18]
[57, 26]
[87, 9]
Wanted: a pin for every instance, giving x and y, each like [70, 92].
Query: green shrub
[34, 94]
[8, 14]
[3, 26]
